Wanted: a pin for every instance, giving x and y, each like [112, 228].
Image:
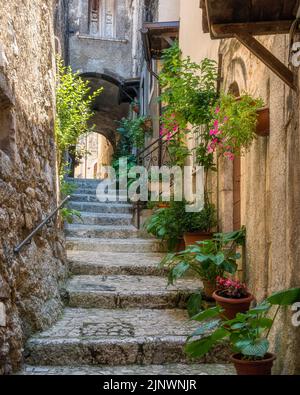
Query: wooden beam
[274, 64]
[258, 28]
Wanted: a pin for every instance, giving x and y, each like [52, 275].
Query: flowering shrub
[233, 128]
[231, 289]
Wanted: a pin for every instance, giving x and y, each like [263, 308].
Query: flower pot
[147, 126]
[163, 205]
[136, 108]
[233, 306]
[253, 368]
[209, 288]
[190, 238]
[180, 245]
[263, 122]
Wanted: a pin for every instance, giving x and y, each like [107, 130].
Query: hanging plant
[234, 126]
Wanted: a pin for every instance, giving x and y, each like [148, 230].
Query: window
[102, 18]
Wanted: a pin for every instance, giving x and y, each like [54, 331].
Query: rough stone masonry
[29, 282]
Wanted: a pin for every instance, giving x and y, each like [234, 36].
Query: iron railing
[29, 238]
[155, 154]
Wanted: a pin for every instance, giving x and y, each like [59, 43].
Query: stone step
[116, 337]
[110, 245]
[111, 263]
[93, 198]
[103, 219]
[118, 292]
[102, 231]
[131, 370]
[116, 208]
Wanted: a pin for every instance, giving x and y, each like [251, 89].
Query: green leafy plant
[73, 109]
[233, 129]
[202, 221]
[208, 259]
[248, 333]
[134, 130]
[164, 225]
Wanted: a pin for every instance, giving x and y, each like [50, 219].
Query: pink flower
[213, 132]
[216, 124]
[226, 119]
[217, 110]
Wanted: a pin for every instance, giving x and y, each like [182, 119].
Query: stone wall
[28, 183]
[270, 189]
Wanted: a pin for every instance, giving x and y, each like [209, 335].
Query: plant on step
[166, 224]
[201, 221]
[208, 259]
[66, 189]
[248, 333]
[233, 128]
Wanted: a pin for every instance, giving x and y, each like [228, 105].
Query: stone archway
[107, 112]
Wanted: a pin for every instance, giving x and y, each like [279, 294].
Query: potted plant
[247, 333]
[234, 126]
[135, 107]
[233, 297]
[197, 226]
[163, 224]
[208, 259]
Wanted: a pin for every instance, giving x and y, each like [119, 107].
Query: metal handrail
[160, 139]
[41, 225]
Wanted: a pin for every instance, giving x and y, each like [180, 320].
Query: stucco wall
[269, 189]
[28, 282]
[168, 10]
[117, 56]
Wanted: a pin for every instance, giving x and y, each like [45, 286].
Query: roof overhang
[129, 90]
[244, 19]
[158, 36]
[227, 18]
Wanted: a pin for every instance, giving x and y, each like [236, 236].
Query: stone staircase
[120, 318]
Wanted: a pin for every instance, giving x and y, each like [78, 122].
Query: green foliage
[188, 88]
[188, 94]
[202, 221]
[248, 333]
[68, 214]
[74, 108]
[237, 121]
[207, 259]
[163, 224]
[133, 131]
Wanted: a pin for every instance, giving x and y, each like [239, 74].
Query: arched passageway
[97, 148]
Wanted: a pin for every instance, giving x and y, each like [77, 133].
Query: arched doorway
[97, 147]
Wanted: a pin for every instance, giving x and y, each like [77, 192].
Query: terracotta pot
[209, 288]
[180, 245]
[263, 122]
[136, 108]
[147, 125]
[233, 306]
[253, 368]
[163, 205]
[192, 238]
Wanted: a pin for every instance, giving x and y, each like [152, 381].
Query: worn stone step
[93, 198]
[112, 292]
[103, 219]
[131, 370]
[111, 263]
[111, 245]
[115, 208]
[116, 337]
[102, 231]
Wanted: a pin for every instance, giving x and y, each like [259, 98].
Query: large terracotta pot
[209, 288]
[253, 368]
[263, 122]
[180, 245]
[192, 238]
[233, 306]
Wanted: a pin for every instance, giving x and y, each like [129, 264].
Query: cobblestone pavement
[175, 369]
[120, 317]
